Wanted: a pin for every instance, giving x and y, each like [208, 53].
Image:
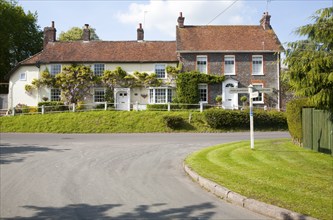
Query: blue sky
[118, 20]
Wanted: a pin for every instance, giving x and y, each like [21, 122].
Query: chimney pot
[49, 34]
[180, 20]
[140, 33]
[265, 21]
[86, 33]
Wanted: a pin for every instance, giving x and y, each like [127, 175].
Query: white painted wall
[17, 93]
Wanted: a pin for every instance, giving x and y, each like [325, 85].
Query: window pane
[99, 95]
[203, 93]
[229, 65]
[160, 70]
[55, 69]
[151, 96]
[260, 97]
[202, 64]
[257, 65]
[55, 95]
[160, 96]
[99, 69]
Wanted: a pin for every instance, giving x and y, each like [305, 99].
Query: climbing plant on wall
[187, 85]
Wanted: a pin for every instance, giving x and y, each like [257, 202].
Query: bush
[21, 108]
[173, 122]
[52, 106]
[294, 118]
[155, 107]
[235, 120]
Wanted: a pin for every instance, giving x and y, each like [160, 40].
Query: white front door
[229, 100]
[122, 100]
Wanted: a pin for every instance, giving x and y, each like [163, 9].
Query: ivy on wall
[187, 85]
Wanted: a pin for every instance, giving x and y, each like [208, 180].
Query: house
[244, 54]
[131, 56]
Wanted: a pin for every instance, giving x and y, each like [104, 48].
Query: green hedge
[294, 118]
[52, 106]
[236, 120]
[173, 122]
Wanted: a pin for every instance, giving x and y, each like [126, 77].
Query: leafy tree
[75, 33]
[75, 82]
[310, 61]
[20, 36]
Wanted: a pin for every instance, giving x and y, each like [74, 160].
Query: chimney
[140, 33]
[86, 33]
[180, 20]
[49, 34]
[265, 21]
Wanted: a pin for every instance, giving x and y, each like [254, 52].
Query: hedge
[239, 120]
[294, 118]
[52, 106]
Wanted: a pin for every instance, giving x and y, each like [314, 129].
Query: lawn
[276, 172]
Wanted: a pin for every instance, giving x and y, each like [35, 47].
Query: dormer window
[99, 69]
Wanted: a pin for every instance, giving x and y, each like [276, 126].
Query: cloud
[161, 16]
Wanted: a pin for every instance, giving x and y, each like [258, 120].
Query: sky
[116, 20]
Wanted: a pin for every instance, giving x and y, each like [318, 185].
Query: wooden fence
[317, 128]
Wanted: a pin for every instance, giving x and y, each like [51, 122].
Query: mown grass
[276, 172]
[103, 122]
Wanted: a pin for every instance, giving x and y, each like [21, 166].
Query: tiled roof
[106, 51]
[240, 38]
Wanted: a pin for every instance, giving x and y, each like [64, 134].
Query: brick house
[244, 54]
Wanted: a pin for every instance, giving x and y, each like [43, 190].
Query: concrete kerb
[251, 204]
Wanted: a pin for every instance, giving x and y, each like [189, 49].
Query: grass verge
[103, 122]
[276, 172]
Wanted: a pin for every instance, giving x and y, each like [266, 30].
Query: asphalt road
[109, 176]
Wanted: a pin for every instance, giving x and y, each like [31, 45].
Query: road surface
[109, 176]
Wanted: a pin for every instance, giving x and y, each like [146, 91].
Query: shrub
[294, 118]
[52, 106]
[21, 108]
[157, 107]
[173, 122]
[235, 120]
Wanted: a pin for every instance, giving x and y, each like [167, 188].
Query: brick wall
[243, 68]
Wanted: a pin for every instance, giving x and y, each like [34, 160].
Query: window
[260, 98]
[99, 69]
[160, 71]
[99, 95]
[202, 64]
[257, 65]
[229, 65]
[23, 76]
[203, 92]
[160, 95]
[55, 95]
[55, 69]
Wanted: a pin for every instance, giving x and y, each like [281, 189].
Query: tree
[75, 33]
[75, 82]
[310, 61]
[20, 36]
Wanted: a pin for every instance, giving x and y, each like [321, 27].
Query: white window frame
[52, 99]
[157, 69]
[202, 58]
[99, 90]
[257, 58]
[23, 76]
[261, 95]
[203, 86]
[53, 68]
[167, 97]
[229, 58]
[98, 65]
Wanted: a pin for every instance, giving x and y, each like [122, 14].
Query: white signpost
[252, 95]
